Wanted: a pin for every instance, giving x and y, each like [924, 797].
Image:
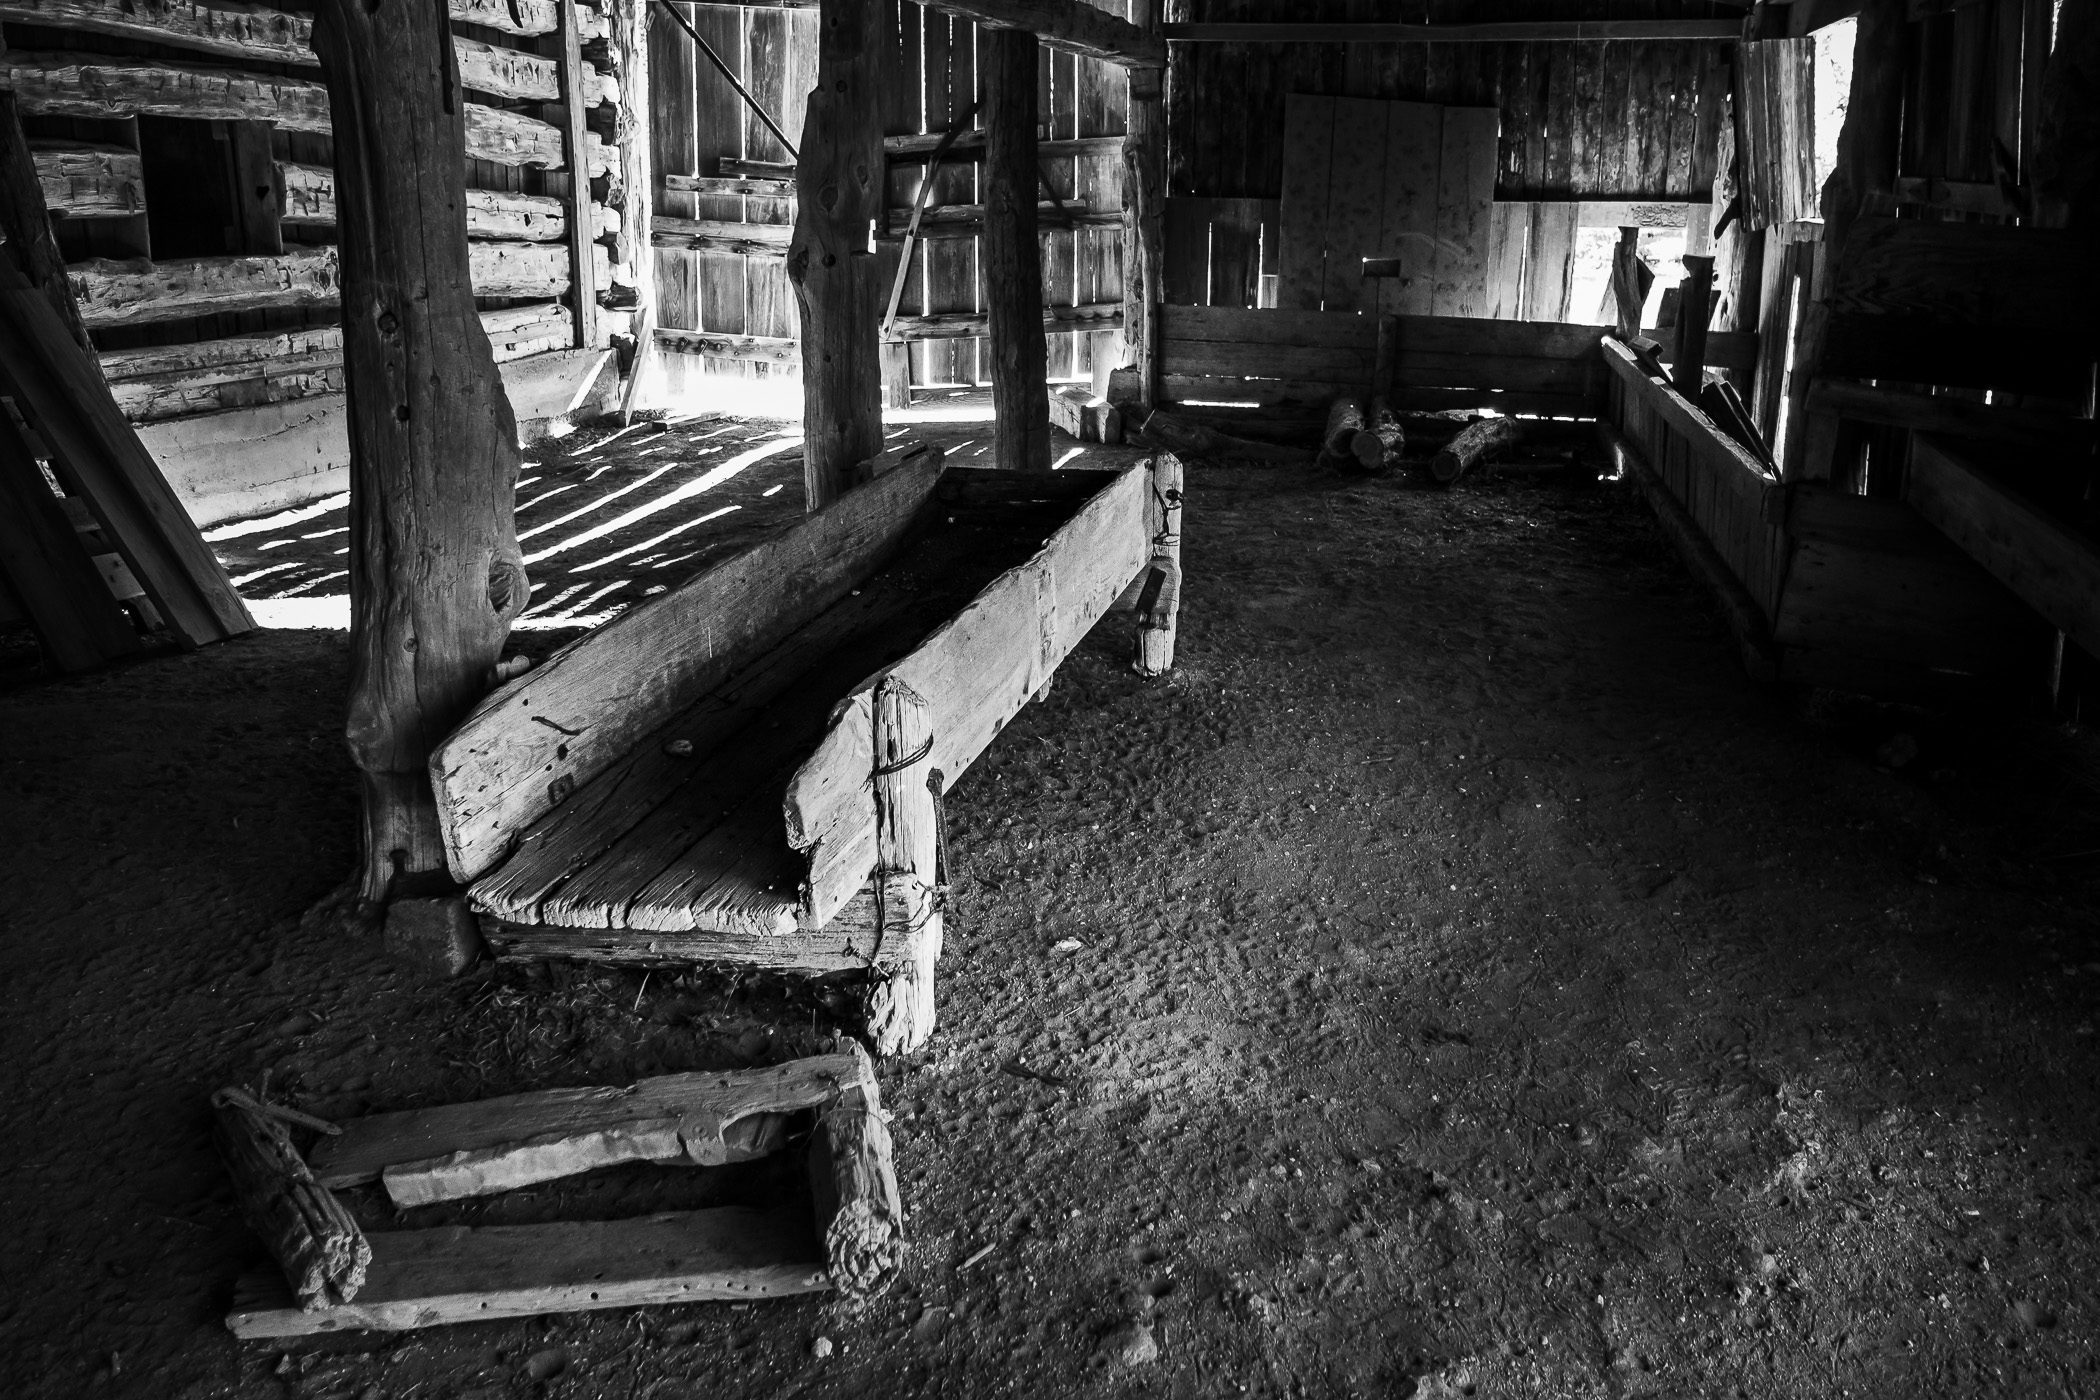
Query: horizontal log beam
[729, 185]
[761, 349]
[735, 169]
[967, 220]
[84, 181]
[141, 292]
[525, 77]
[970, 146]
[241, 371]
[719, 236]
[962, 325]
[96, 85]
[1536, 31]
[256, 32]
[309, 198]
[1067, 25]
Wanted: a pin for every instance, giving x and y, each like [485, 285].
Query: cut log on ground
[1345, 419]
[1383, 442]
[1477, 444]
[322, 1252]
[853, 1179]
[1159, 595]
[475, 1149]
[1186, 439]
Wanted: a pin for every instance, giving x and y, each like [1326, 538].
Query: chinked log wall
[722, 285]
[232, 69]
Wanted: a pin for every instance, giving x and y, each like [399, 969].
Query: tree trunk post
[1013, 260]
[1144, 186]
[583, 271]
[1159, 595]
[435, 573]
[1694, 309]
[1630, 280]
[633, 261]
[839, 191]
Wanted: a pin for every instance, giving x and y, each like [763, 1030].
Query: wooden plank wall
[1605, 121]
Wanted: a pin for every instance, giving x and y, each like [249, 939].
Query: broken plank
[430, 1278]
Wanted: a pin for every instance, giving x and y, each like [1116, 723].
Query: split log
[836, 289]
[436, 576]
[524, 77]
[1345, 419]
[1159, 596]
[1477, 444]
[322, 1252]
[907, 790]
[853, 1178]
[1013, 262]
[705, 1118]
[1187, 439]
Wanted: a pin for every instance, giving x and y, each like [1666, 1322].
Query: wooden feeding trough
[749, 769]
[332, 1277]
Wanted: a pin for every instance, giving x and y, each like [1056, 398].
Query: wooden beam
[84, 181]
[965, 325]
[1951, 417]
[967, 220]
[254, 32]
[309, 198]
[525, 77]
[1144, 218]
[2054, 568]
[721, 236]
[583, 280]
[1013, 263]
[720, 185]
[829, 263]
[256, 204]
[1636, 213]
[633, 186]
[757, 349]
[1069, 26]
[1522, 32]
[970, 147]
[436, 575]
[431, 1278]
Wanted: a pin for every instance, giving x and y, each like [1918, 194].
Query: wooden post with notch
[839, 178]
[583, 230]
[1159, 596]
[435, 573]
[1013, 259]
[1144, 232]
[907, 854]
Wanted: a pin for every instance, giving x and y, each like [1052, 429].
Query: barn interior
[838, 697]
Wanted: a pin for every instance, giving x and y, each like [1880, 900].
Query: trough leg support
[1159, 594]
[907, 854]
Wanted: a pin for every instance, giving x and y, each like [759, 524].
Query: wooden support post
[1159, 597]
[634, 181]
[1630, 280]
[583, 273]
[1144, 191]
[435, 572]
[907, 856]
[27, 228]
[1694, 309]
[1013, 260]
[839, 183]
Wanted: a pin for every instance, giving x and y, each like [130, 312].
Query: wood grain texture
[529, 745]
[255, 32]
[1465, 195]
[84, 181]
[430, 1278]
[519, 1139]
[2052, 567]
[853, 1183]
[1068, 26]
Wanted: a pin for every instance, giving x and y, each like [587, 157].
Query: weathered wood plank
[721, 236]
[431, 1278]
[1465, 194]
[970, 147]
[83, 181]
[309, 198]
[255, 32]
[967, 220]
[844, 944]
[1068, 26]
[1414, 145]
[757, 349]
[1308, 148]
[2053, 568]
[527, 746]
[525, 77]
[474, 1149]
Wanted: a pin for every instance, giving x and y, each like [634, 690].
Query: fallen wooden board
[430, 1278]
[475, 1149]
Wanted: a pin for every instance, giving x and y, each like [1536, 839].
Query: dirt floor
[1455, 979]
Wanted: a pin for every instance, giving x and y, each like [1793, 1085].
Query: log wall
[146, 122]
